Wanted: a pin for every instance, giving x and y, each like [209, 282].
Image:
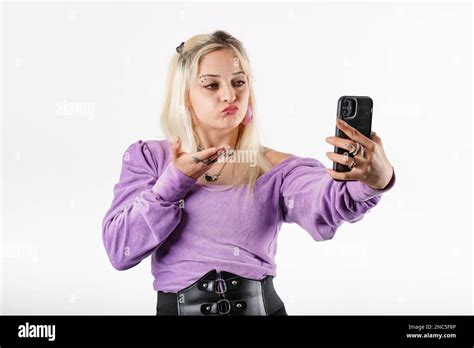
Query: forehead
[221, 62]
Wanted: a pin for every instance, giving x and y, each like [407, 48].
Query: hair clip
[179, 49]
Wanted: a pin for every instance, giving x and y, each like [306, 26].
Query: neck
[215, 138]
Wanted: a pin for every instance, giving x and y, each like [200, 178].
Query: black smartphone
[357, 112]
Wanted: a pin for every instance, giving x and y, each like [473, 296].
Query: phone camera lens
[345, 112]
[345, 103]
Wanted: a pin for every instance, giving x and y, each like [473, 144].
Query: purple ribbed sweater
[190, 228]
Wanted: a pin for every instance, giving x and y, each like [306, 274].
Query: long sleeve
[310, 197]
[145, 209]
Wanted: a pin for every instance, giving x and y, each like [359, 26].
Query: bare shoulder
[275, 157]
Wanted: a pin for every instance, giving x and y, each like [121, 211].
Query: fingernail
[327, 139]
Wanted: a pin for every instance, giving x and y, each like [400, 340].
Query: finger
[211, 155]
[209, 152]
[354, 174]
[345, 144]
[376, 138]
[346, 160]
[175, 148]
[220, 153]
[354, 134]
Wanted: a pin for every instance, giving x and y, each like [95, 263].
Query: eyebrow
[213, 75]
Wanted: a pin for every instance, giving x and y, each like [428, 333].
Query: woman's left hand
[374, 169]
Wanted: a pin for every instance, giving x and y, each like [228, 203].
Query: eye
[216, 84]
[212, 84]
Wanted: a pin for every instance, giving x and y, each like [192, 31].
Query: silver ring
[353, 150]
[209, 161]
[196, 159]
[356, 149]
[346, 156]
[353, 164]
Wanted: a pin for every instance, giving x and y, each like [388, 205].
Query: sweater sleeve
[310, 197]
[145, 209]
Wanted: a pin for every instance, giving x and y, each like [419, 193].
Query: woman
[209, 215]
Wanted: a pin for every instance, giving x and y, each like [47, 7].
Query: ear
[187, 102]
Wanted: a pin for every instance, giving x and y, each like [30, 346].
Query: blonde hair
[176, 121]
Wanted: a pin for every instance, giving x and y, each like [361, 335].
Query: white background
[107, 61]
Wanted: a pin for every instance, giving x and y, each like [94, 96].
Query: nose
[228, 94]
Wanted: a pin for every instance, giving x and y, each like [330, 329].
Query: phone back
[357, 112]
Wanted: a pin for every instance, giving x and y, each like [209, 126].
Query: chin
[228, 120]
[227, 125]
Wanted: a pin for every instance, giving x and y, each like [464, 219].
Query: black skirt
[222, 293]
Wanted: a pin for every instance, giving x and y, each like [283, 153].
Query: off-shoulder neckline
[275, 167]
[218, 187]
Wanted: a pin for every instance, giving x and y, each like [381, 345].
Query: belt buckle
[219, 306]
[217, 286]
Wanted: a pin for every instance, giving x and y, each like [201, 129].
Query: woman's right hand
[185, 163]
